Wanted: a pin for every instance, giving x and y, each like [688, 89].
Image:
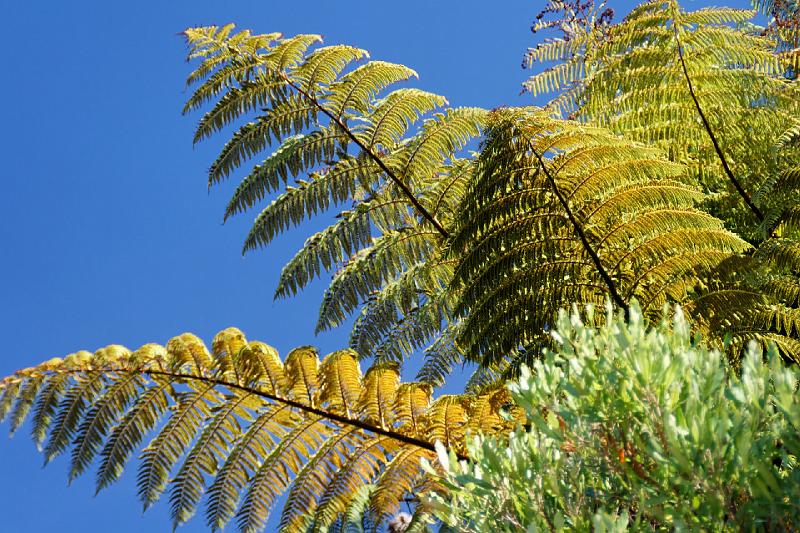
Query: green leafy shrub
[636, 427]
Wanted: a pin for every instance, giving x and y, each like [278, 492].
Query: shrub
[636, 427]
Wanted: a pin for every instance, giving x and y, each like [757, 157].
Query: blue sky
[108, 232]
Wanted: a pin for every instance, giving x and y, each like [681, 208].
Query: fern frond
[244, 425]
[710, 93]
[358, 141]
[536, 230]
[356, 89]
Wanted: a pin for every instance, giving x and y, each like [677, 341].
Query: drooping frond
[235, 427]
[560, 212]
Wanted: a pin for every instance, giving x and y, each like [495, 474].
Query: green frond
[386, 317]
[531, 238]
[249, 95]
[335, 244]
[642, 79]
[218, 49]
[291, 51]
[327, 188]
[370, 269]
[356, 89]
[394, 115]
[442, 135]
[413, 331]
[441, 357]
[346, 141]
[323, 65]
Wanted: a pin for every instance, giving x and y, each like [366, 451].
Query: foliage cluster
[631, 427]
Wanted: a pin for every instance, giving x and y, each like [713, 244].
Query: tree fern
[242, 426]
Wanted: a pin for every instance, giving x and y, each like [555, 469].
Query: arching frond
[333, 134]
[241, 425]
[550, 219]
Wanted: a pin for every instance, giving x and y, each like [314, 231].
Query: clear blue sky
[107, 230]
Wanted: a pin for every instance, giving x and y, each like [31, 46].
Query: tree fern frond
[22, 405]
[163, 452]
[397, 481]
[370, 269]
[333, 186]
[250, 95]
[274, 475]
[357, 140]
[129, 433]
[357, 88]
[323, 65]
[243, 461]
[310, 483]
[70, 410]
[661, 69]
[46, 405]
[214, 442]
[244, 425]
[534, 230]
[441, 357]
[291, 51]
[99, 419]
[335, 244]
[364, 463]
[395, 114]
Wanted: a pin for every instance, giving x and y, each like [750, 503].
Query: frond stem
[310, 409]
[756, 211]
[372, 155]
[612, 287]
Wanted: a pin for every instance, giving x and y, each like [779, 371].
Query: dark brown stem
[756, 211]
[612, 287]
[367, 150]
